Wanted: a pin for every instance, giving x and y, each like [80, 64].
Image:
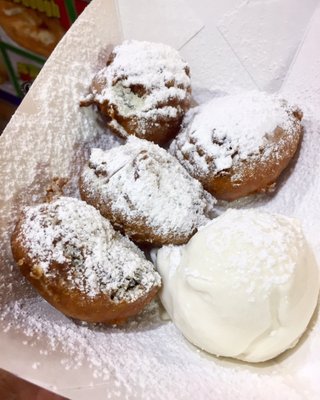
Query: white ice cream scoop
[245, 286]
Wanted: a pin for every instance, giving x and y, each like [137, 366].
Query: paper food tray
[49, 136]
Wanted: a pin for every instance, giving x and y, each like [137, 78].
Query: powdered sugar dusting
[151, 65]
[226, 130]
[69, 231]
[143, 80]
[126, 359]
[148, 358]
[142, 181]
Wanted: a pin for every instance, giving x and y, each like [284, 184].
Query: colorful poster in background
[29, 31]
[22, 69]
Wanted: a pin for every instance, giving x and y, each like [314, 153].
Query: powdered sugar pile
[232, 128]
[141, 181]
[141, 79]
[101, 261]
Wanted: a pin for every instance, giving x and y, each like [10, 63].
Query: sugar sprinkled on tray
[148, 357]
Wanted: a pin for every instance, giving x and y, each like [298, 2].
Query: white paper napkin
[265, 35]
[167, 21]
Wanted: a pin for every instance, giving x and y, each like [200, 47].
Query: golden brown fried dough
[80, 265]
[143, 91]
[238, 145]
[145, 192]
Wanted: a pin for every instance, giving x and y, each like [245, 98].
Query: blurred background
[29, 31]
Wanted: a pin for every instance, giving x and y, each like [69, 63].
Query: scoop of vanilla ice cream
[245, 286]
